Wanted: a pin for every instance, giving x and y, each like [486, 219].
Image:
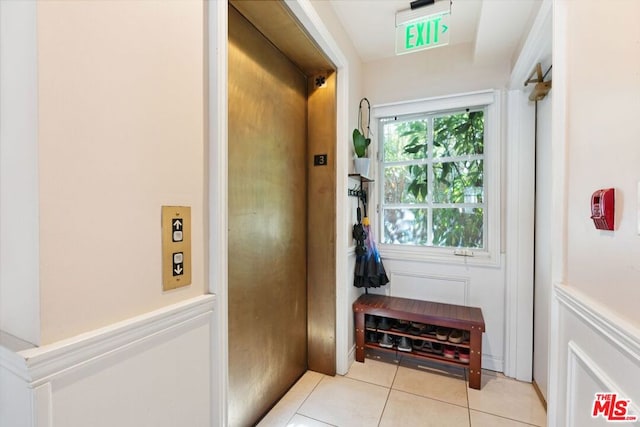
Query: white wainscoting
[591, 351]
[152, 370]
[431, 287]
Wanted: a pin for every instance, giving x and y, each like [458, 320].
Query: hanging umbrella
[360, 235]
[369, 271]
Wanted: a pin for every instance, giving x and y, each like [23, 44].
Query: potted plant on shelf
[360, 142]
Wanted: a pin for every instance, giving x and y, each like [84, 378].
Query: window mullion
[430, 176]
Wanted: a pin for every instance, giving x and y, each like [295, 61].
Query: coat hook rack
[542, 88]
[358, 192]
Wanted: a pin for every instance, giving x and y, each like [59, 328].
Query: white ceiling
[495, 28]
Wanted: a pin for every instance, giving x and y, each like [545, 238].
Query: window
[435, 182]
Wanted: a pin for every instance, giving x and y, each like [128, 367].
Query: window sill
[440, 255]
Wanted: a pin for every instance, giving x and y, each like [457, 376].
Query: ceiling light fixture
[422, 8]
[420, 3]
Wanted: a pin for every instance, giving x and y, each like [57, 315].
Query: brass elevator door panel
[267, 223]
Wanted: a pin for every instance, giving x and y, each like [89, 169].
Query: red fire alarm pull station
[603, 208]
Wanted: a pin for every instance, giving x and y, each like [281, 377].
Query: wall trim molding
[19, 172]
[10, 358]
[39, 365]
[217, 225]
[309, 18]
[559, 11]
[624, 336]
[519, 219]
[518, 355]
[577, 356]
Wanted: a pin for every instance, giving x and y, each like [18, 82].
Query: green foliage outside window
[433, 170]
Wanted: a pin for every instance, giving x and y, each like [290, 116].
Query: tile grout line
[464, 379]
[389, 393]
[506, 418]
[431, 398]
[492, 414]
[305, 399]
[466, 392]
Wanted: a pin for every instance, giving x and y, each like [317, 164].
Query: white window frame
[490, 255]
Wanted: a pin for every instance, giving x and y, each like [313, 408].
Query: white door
[542, 269]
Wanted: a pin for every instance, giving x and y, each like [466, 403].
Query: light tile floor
[406, 393]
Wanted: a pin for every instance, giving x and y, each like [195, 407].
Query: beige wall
[120, 134]
[603, 149]
[434, 72]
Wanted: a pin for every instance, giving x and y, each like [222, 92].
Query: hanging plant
[360, 141]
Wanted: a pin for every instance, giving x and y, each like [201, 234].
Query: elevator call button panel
[176, 247]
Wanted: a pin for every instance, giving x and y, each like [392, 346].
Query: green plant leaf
[412, 149]
[360, 143]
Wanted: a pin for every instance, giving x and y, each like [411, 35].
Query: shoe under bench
[460, 317]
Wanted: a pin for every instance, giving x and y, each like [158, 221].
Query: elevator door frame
[217, 166]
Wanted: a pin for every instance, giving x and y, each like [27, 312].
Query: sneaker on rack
[405, 344]
[442, 333]
[418, 344]
[463, 355]
[427, 347]
[386, 341]
[370, 321]
[449, 351]
[429, 330]
[384, 324]
[401, 326]
[455, 336]
[436, 348]
[372, 336]
[416, 328]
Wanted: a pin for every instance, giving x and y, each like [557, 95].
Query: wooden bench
[464, 318]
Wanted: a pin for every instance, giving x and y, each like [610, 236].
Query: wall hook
[542, 88]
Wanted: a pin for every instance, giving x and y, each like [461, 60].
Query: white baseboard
[492, 363]
[352, 356]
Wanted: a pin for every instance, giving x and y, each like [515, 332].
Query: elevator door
[267, 223]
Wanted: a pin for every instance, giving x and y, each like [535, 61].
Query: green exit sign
[422, 33]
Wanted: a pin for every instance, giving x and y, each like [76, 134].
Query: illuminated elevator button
[178, 258]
